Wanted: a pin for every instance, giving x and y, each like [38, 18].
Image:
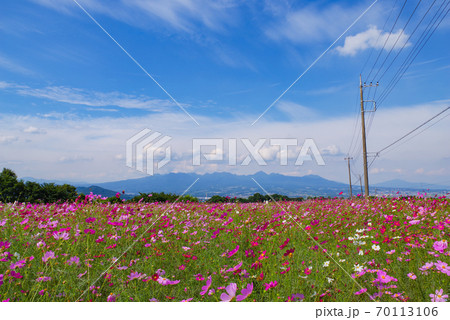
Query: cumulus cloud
[314, 23]
[373, 38]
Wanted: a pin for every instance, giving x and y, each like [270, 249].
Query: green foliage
[257, 197]
[162, 197]
[12, 190]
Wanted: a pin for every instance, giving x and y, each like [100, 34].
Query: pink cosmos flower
[135, 275]
[231, 293]
[61, 236]
[19, 264]
[442, 267]
[73, 260]
[1, 279]
[89, 231]
[111, 298]
[233, 252]
[361, 291]
[427, 266]
[235, 268]
[383, 277]
[187, 300]
[43, 279]
[391, 252]
[166, 282]
[269, 285]
[245, 292]
[207, 286]
[48, 255]
[412, 276]
[440, 246]
[438, 296]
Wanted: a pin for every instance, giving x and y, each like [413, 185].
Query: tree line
[12, 189]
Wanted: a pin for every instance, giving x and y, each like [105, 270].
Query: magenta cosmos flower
[233, 252]
[206, 287]
[438, 296]
[440, 246]
[361, 291]
[269, 285]
[231, 293]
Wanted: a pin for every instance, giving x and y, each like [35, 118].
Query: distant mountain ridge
[229, 184]
[402, 184]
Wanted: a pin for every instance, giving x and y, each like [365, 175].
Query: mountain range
[228, 184]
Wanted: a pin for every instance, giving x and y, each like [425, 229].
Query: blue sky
[70, 97]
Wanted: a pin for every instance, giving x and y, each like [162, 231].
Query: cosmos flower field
[381, 249]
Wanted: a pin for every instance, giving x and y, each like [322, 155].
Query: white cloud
[93, 98]
[373, 38]
[34, 130]
[313, 23]
[11, 65]
[92, 149]
[182, 15]
[75, 158]
[8, 139]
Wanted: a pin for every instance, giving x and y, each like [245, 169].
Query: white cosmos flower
[358, 268]
[326, 264]
[376, 247]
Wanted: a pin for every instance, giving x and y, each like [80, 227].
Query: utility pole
[363, 129]
[349, 176]
[360, 184]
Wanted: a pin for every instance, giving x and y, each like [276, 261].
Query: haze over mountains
[228, 184]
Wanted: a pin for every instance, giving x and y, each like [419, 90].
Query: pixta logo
[142, 148]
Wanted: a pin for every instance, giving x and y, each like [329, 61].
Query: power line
[387, 39]
[407, 41]
[379, 36]
[396, 41]
[410, 132]
[426, 35]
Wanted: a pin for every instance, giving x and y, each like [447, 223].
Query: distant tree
[13, 190]
[10, 188]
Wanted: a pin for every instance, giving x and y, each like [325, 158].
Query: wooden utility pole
[349, 176]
